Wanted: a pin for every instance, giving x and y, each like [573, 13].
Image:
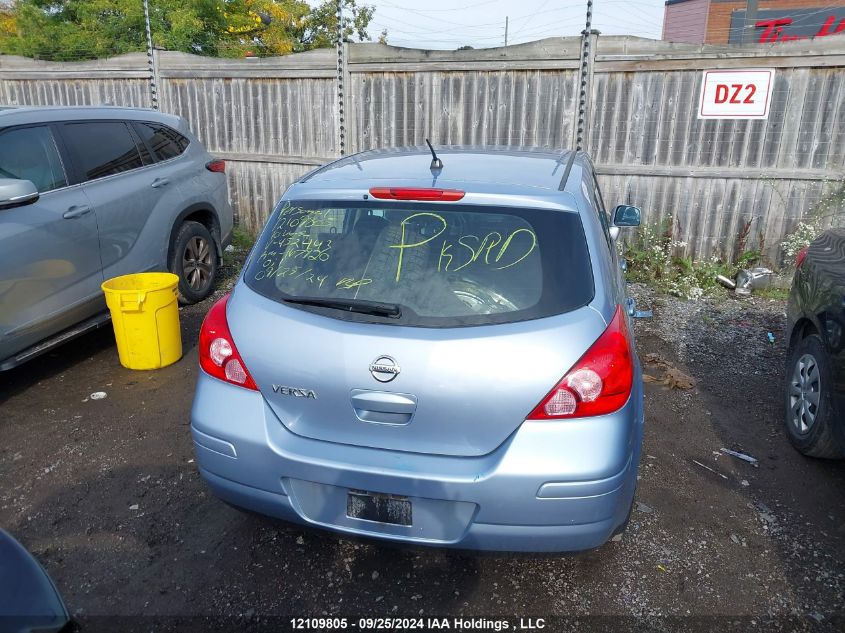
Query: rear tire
[432, 291]
[193, 259]
[809, 414]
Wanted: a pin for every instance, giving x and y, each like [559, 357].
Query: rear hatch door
[490, 311]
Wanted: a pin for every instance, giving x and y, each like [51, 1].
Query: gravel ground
[106, 494]
[792, 506]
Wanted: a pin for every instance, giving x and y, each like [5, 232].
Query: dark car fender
[29, 601]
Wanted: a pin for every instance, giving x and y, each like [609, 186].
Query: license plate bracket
[378, 507]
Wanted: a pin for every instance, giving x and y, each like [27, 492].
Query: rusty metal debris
[730, 284]
[672, 377]
[747, 280]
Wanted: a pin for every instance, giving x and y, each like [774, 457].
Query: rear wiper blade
[376, 308]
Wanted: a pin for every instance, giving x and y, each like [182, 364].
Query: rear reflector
[218, 165]
[417, 193]
[599, 383]
[802, 255]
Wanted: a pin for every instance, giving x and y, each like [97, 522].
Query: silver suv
[87, 194]
[430, 352]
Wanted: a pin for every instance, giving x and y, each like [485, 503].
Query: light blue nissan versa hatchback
[431, 350]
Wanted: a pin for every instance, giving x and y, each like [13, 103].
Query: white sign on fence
[736, 94]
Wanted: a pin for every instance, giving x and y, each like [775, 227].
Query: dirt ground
[105, 493]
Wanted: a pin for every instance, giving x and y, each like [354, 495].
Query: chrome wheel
[804, 393]
[196, 263]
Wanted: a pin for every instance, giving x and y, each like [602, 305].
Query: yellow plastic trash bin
[145, 314]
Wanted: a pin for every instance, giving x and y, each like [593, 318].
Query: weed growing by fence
[654, 257]
[828, 211]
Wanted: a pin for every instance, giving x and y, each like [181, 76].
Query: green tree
[7, 21]
[87, 29]
[320, 29]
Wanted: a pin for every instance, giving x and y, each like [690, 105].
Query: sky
[448, 24]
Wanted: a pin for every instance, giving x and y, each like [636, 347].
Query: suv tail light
[801, 256]
[217, 165]
[417, 193]
[218, 355]
[599, 383]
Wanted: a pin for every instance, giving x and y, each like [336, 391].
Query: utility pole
[749, 31]
[151, 58]
[506, 31]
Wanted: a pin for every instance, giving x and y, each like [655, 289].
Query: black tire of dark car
[193, 258]
[820, 439]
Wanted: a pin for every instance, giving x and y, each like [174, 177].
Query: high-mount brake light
[599, 383]
[425, 194]
[218, 355]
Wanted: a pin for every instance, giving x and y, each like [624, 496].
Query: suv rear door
[136, 198]
[50, 272]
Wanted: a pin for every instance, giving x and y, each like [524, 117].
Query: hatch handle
[383, 407]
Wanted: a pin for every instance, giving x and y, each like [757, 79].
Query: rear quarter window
[444, 266]
[165, 142]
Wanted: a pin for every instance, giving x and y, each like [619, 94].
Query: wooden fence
[275, 119]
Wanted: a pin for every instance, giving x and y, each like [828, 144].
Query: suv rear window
[441, 266]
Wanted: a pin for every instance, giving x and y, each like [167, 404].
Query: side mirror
[16, 193]
[626, 215]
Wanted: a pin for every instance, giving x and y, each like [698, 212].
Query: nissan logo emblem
[384, 368]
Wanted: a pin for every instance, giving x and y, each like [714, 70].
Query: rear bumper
[552, 486]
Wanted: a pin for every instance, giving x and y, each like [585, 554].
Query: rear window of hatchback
[443, 266]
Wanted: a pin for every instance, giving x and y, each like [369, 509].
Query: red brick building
[723, 21]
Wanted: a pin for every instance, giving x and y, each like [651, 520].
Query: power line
[436, 29]
[449, 10]
[531, 17]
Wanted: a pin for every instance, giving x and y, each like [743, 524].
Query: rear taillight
[801, 256]
[218, 355]
[417, 193]
[599, 383]
[218, 165]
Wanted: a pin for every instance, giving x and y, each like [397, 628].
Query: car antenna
[436, 163]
